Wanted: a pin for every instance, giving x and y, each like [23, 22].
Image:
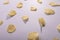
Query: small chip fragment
[33, 8]
[19, 5]
[39, 1]
[49, 11]
[54, 4]
[33, 36]
[58, 28]
[1, 22]
[25, 18]
[11, 28]
[12, 13]
[6, 2]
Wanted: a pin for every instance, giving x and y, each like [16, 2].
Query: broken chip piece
[54, 4]
[33, 8]
[11, 28]
[33, 36]
[49, 11]
[12, 13]
[1, 22]
[39, 1]
[25, 18]
[6, 2]
[58, 28]
[19, 5]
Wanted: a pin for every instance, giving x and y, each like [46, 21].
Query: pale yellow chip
[11, 28]
[20, 5]
[1, 22]
[55, 38]
[58, 27]
[49, 11]
[54, 4]
[33, 36]
[33, 8]
[39, 1]
[6, 1]
[25, 18]
[12, 13]
[42, 22]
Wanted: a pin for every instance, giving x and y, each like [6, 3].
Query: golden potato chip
[33, 8]
[49, 11]
[6, 2]
[54, 4]
[42, 22]
[33, 36]
[55, 38]
[20, 5]
[1, 22]
[25, 18]
[58, 28]
[11, 28]
[12, 13]
[39, 1]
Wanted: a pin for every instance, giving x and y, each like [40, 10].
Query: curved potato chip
[49, 11]
[25, 18]
[58, 27]
[33, 8]
[1, 22]
[42, 22]
[33, 36]
[20, 5]
[54, 4]
[6, 2]
[55, 38]
[12, 13]
[11, 28]
[39, 1]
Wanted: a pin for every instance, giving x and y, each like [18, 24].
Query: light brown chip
[1, 22]
[25, 18]
[58, 27]
[6, 2]
[19, 5]
[42, 22]
[49, 11]
[39, 1]
[33, 36]
[33, 8]
[55, 38]
[12, 13]
[54, 4]
[11, 28]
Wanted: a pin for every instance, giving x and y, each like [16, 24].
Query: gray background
[22, 29]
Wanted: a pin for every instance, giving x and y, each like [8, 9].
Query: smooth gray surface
[22, 29]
